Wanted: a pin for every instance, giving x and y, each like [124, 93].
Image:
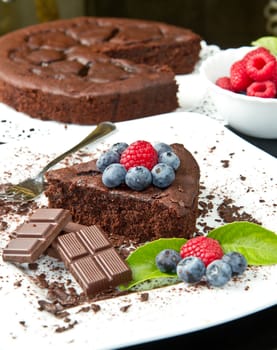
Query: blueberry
[106, 159]
[170, 158]
[119, 147]
[237, 262]
[114, 175]
[191, 269]
[218, 273]
[162, 147]
[167, 260]
[163, 175]
[138, 178]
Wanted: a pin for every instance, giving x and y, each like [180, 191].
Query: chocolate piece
[91, 259]
[33, 237]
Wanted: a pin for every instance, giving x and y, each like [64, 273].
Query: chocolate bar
[91, 259]
[36, 235]
[85, 250]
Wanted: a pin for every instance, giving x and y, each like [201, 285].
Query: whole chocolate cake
[88, 69]
[124, 214]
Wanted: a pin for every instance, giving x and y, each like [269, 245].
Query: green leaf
[257, 244]
[269, 42]
[142, 261]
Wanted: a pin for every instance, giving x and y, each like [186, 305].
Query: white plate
[230, 168]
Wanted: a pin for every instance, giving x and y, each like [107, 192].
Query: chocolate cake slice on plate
[126, 215]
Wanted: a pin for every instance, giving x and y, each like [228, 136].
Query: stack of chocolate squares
[85, 250]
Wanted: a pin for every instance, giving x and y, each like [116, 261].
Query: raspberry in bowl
[242, 83]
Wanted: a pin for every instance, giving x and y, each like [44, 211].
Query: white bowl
[253, 116]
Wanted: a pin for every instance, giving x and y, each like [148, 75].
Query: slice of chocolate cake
[124, 214]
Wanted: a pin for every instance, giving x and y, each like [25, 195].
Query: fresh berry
[274, 77]
[170, 158]
[191, 269]
[119, 147]
[163, 175]
[138, 178]
[254, 52]
[239, 78]
[237, 262]
[224, 83]
[162, 147]
[139, 153]
[114, 175]
[218, 273]
[265, 89]
[260, 65]
[106, 159]
[167, 260]
[205, 248]
[255, 75]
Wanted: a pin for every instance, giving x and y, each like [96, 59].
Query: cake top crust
[77, 56]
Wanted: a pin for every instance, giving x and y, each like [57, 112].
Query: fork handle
[101, 130]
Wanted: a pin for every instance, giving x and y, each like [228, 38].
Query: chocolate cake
[88, 69]
[124, 214]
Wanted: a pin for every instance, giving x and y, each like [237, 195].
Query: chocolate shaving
[125, 308]
[230, 212]
[63, 329]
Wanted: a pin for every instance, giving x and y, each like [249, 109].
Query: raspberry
[205, 248]
[254, 52]
[239, 78]
[266, 89]
[139, 153]
[274, 76]
[224, 83]
[260, 65]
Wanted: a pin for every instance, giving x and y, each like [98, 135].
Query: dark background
[227, 23]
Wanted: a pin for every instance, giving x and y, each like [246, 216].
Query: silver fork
[33, 187]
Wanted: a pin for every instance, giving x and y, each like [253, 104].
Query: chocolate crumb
[144, 297]
[63, 329]
[40, 280]
[62, 314]
[84, 309]
[225, 163]
[33, 266]
[53, 308]
[125, 308]
[230, 212]
[95, 307]
[18, 283]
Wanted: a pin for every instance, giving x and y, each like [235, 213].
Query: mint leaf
[142, 261]
[257, 244]
[269, 42]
